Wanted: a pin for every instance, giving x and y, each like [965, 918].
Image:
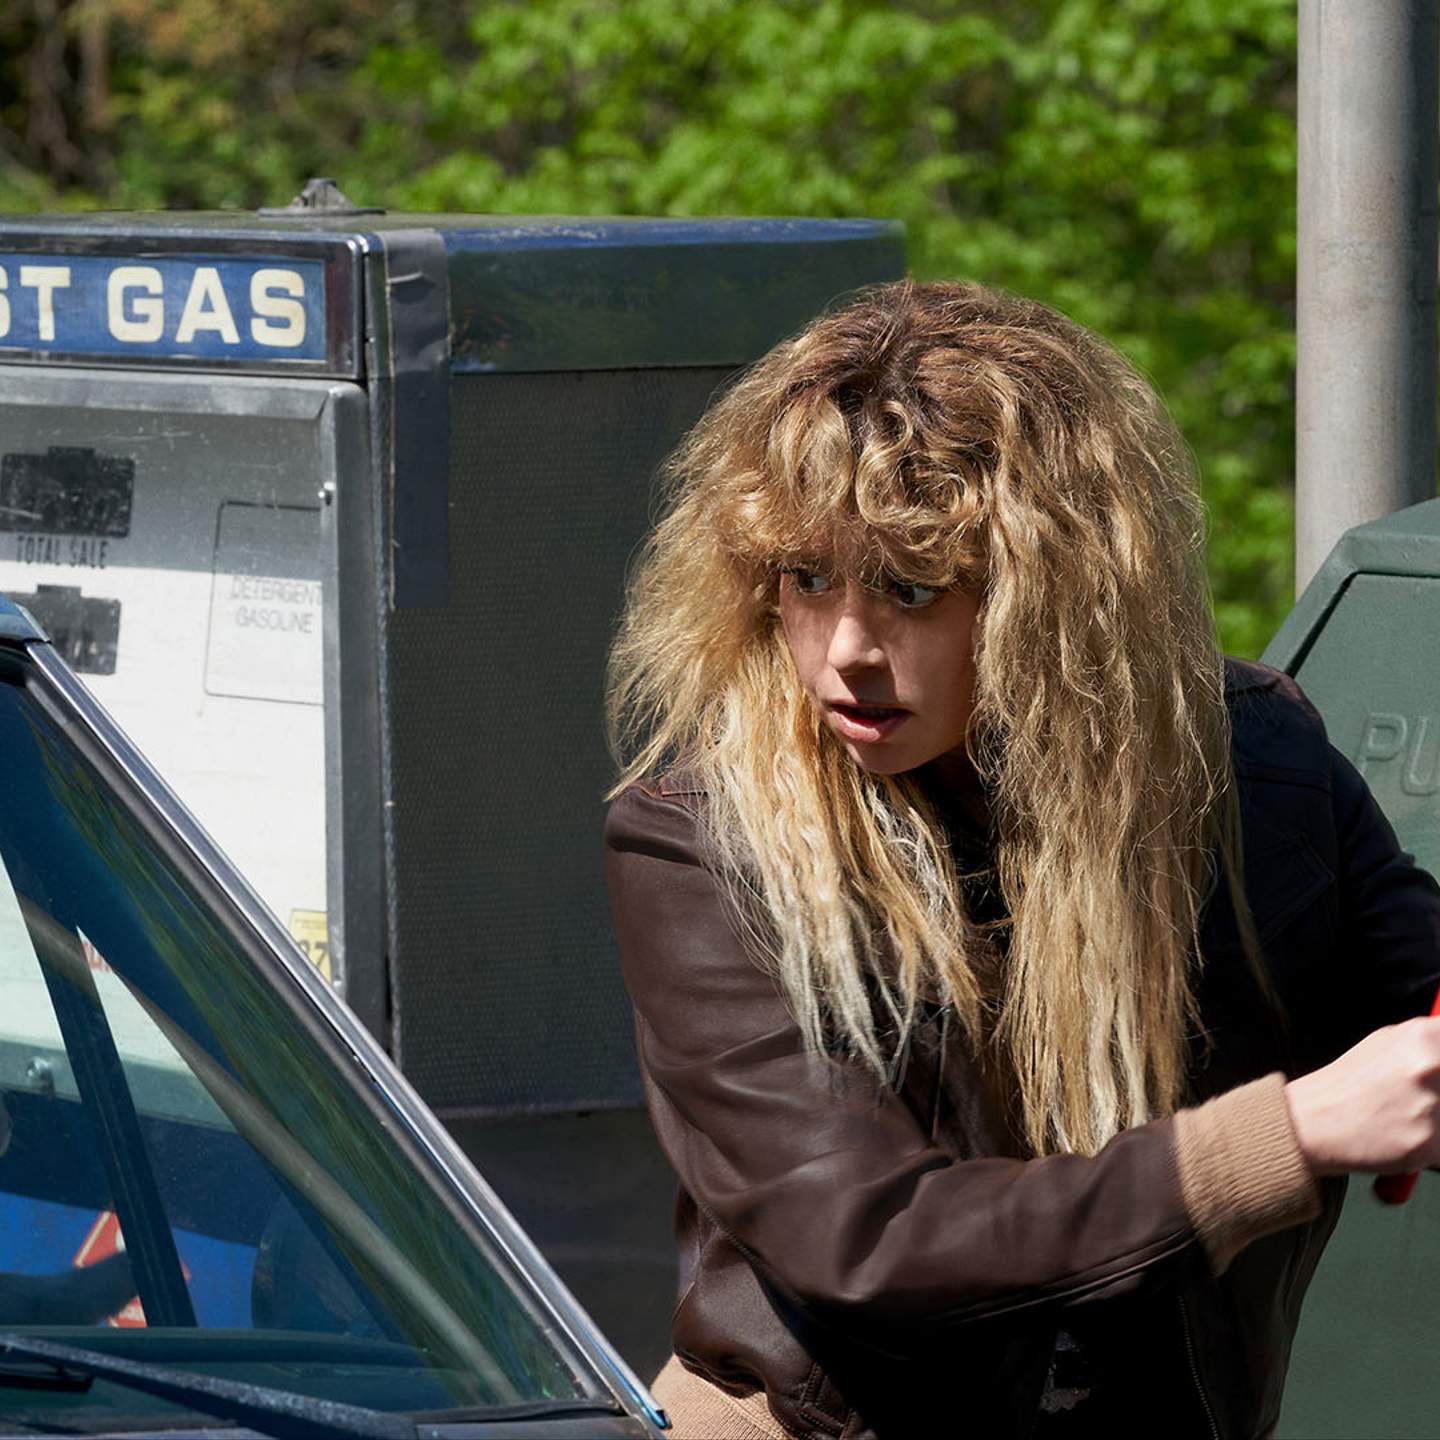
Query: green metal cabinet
[1364, 643]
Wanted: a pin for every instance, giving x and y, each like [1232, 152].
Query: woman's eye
[909, 594]
[807, 582]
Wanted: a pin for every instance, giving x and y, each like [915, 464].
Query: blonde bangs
[828, 488]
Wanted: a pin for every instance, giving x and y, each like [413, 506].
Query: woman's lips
[865, 722]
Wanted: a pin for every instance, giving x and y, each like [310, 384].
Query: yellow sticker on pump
[309, 930]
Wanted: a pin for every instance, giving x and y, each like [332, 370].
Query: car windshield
[188, 1174]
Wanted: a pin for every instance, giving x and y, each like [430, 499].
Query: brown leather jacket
[893, 1265]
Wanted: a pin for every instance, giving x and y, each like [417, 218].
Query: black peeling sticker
[417, 297]
[69, 490]
[84, 629]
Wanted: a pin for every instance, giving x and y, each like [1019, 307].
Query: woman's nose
[855, 643]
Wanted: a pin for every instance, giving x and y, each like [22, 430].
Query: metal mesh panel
[505, 985]
[597, 1195]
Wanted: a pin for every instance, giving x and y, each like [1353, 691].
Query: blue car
[221, 1207]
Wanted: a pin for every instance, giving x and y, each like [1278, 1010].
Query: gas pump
[331, 509]
[1360, 644]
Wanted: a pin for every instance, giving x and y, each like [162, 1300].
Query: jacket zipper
[1195, 1370]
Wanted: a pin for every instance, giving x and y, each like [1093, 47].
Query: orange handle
[1397, 1189]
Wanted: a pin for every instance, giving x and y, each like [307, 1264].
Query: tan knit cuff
[1242, 1172]
[698, 1410]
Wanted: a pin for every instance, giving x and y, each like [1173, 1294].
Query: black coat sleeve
[1389, 912]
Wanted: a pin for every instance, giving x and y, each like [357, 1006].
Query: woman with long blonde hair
[976, 910]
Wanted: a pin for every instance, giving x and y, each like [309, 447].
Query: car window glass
[184, 1169]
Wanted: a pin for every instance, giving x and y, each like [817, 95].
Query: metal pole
[1369, 166]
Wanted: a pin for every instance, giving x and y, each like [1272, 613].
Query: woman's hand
[1376, 1108]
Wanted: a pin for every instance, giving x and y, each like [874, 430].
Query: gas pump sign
[178, 307]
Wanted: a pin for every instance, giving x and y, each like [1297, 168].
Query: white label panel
[175, 557]
[265, 627]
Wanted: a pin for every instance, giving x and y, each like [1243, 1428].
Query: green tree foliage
[1131, 161]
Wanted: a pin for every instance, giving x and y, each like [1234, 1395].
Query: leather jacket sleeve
[827, 1182]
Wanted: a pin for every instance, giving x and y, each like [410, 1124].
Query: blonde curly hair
[958, 436]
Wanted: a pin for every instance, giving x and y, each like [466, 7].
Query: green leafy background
[1130, 161]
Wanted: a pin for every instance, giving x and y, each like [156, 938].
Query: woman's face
[891, 669]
